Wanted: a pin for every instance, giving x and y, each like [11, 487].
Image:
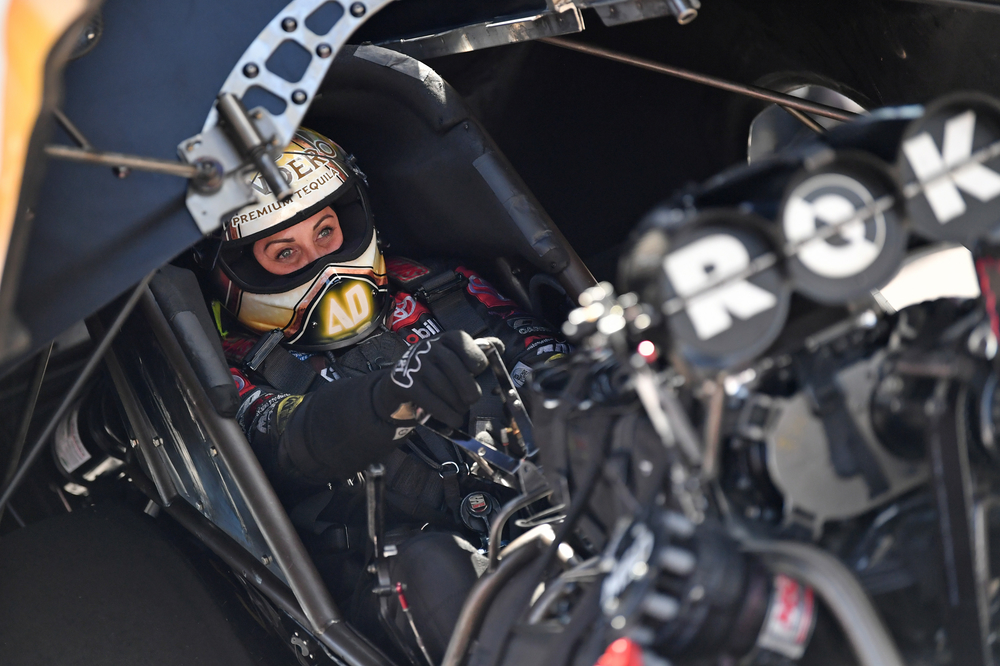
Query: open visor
[350, 202]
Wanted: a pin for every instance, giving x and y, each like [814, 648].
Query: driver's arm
[345, 425]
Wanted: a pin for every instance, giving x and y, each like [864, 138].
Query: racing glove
[435, 376]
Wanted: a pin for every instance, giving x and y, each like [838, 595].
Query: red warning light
[623, 652]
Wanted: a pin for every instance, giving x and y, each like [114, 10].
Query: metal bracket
[251, 71]
[617, 12]
[561, 18]
[214, 145]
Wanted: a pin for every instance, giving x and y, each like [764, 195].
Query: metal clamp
[520, 423]
[251, 144]
[216, 146]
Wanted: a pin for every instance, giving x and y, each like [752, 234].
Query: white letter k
[931, 167]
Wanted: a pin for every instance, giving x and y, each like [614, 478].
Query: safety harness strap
[444, 294]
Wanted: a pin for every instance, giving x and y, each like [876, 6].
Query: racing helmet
[338, 299]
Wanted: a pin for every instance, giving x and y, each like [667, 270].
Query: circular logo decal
[842, 232]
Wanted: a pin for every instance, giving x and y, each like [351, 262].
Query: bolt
[199, 506]
[358, 9]
[299, 96]
[660, 606]
[324, 50]
[250, 70]
[266, 559]
[289, 24]
[676, 560]
[213, 451]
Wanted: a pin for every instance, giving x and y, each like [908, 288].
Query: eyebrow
[321, 220]
[278, 240]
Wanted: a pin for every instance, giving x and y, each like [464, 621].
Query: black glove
[436, 375]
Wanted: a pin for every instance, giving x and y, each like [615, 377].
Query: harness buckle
[265, 345]
[446, 469]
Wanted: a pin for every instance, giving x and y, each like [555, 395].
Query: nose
[313, 253]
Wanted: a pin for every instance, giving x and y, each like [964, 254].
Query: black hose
[840, 590]
[508, 510]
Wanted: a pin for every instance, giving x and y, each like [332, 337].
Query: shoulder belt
[443, 291]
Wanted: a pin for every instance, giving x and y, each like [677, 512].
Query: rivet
[358, 9]
[324, 50]
[250, 70]
[289, 24]
[299, 96]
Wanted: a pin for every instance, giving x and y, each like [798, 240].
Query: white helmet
[334, 301]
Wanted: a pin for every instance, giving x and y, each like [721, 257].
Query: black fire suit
[313, 446]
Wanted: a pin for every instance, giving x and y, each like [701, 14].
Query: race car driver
[338, 353]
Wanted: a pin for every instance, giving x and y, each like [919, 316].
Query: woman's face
[301, 244]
